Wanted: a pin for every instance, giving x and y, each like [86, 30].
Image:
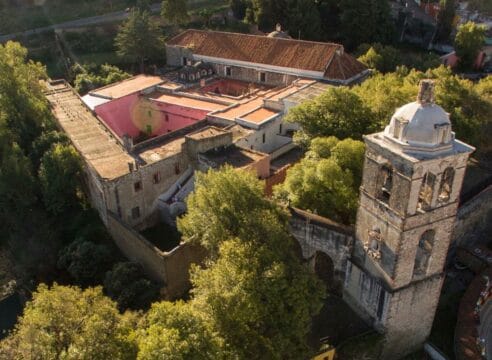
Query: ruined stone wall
[473, 220]
[315, 233]
[195, 146]
[170, 269]
[95, 191]
[122, 197]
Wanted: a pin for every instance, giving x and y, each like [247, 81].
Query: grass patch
[163, 236]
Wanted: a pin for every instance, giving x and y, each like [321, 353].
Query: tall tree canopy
[368, 107]
[251, 296]
[177, 331]
[139, 39]
[60, 177]
[67, 323]
[175, 11]
[338, 112]
[468, 42]
[228, 204]
[88, 79]
[250, 292]
[366, 21]
[327, 180]
[445, 19]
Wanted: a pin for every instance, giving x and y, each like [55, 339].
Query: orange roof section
[259, 115]
[287, 53]
[128, 86]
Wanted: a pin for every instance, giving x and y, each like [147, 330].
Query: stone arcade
[413, 174]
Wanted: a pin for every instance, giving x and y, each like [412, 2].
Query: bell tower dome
[413, 173]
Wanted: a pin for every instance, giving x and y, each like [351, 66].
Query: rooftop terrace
[129, 86]
[95, 142]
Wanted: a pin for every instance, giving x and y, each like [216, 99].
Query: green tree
[129, 287]
[381, 58]
[175, 11]
[60, 177]
[67, 323]
[338, 112]
[251, 296]
[23, 106]
[17, 187]
[85, 261]
[468, 43]
[227, 203]
[249, 293]
[176, 331]
[445, 19]
[366, 21]
[326, 181]
[238, 8]
[106, 74]
[139, 39]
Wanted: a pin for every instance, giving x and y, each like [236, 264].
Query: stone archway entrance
[324, 268]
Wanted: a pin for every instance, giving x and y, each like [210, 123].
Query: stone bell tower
[413, 173]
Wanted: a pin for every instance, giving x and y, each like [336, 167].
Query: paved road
[94, 20]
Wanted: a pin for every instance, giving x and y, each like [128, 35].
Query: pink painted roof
[179, 100]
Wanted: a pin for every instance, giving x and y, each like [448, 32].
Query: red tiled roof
[288, 53]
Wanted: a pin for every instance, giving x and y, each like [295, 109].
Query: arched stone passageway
[324, 269]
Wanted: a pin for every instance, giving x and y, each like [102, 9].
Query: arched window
[426, 192]
[386, 183]
[204, 72]
[424, 251]
[446, 185]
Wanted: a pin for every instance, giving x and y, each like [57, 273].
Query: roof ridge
[257, 36]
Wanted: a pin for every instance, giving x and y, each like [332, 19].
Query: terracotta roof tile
[344, 67]
[287, 53]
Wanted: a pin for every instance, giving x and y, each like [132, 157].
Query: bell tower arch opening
[423, 254]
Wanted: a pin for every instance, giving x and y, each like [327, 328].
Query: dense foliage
[88, 79]
[251, 291]
[388, 58]
[445, 19]
[351, 21]
[468, 42]
[68, 323]
[368, 107]
[175, 11]
[129, 287]
[139, 39]
[327, 180]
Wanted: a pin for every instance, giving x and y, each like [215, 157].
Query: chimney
[278, 27]
[127, 142]
[426, 92]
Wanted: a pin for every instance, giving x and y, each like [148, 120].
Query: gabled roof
[326, 58]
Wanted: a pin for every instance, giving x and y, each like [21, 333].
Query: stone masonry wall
[473, 220]
[170, 269]
[410, 317]
[122, 197]
[315, 233]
